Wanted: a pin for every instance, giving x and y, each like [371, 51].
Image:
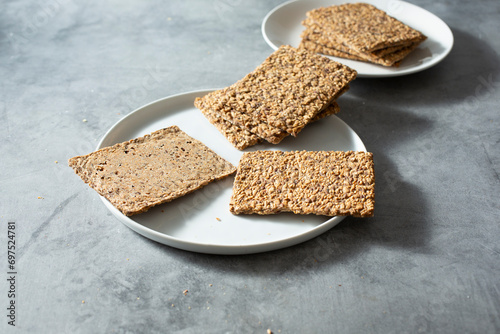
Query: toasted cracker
[285, 92]
[326, 183]
[363, 27]
[159, 167]
[315, 39]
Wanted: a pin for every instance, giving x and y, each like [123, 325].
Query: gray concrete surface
[428, 262]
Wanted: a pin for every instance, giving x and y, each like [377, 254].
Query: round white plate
[283, 26]
[201, 221]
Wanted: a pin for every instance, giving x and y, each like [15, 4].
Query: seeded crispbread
[285, 92]
[240, 129]
[159, 167]
[363, 27]
[326, 183]
[359, 30]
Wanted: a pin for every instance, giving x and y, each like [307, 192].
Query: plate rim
[211, 248]
[409, 71]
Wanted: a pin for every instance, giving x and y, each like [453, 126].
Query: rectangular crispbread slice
[326, 183]
[159, 167]
[359, 30]
[363, 27]
[284, 93]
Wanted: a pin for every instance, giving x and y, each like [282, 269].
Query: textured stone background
[427, 262]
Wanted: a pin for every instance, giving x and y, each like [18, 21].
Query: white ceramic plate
[192, 222]
[283, 26]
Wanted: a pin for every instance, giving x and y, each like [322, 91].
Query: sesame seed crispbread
[159, 167]
[285, 92]
[326, 183]
[360, 30]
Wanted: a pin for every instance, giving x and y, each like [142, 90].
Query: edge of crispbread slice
[315, 39]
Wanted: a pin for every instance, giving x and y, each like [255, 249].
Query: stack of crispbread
[359, 31]
[290, 89]
[326, 183]
[157, 168]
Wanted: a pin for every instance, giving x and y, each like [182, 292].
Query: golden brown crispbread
[140, 173]
[359, 30]
[363, 27]
[284, 93]
[326, 183]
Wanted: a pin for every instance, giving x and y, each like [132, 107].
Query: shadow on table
[469, 72]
